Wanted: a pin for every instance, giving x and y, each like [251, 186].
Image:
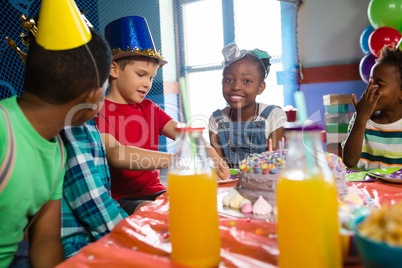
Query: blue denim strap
[217, 115]
[267, 111]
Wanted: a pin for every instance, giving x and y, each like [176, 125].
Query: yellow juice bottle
[308, 228]
[193, 213]
[193, 219]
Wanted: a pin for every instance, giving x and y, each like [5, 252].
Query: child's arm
[353, 145]
[276, 137]
[133, 158]
[364, 110]
[169, 130]
[46, 249]
[213, 137]
[221, 168]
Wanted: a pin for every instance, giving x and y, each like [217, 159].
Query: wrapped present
[334, 148]
[336, 128]
[343, 108]
[336, 137]
[339, 118]
[337, 99]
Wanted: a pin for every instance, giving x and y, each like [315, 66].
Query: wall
[329, 33]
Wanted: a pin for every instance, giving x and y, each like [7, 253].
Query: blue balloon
[364, 37]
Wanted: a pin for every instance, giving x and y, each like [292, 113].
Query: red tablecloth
[142, 239]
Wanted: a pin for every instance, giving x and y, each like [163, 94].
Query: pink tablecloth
[142, 239]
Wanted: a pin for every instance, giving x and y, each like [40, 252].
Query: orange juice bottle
[308, 228]
[193, 213]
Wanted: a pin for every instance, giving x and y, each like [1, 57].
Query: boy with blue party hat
[66, 66]
[129, 123]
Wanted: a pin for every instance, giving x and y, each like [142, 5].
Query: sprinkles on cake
[268, 162]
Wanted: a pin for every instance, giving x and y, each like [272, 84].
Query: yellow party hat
[60, 26]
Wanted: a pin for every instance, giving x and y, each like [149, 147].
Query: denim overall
[240, 133]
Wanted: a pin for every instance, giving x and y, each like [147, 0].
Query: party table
[142, 239]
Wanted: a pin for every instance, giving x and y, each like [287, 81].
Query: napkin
[372, 175]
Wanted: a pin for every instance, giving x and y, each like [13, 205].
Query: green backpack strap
[6, 168]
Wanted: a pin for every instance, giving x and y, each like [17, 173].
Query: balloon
[385, 13]
[381, 37]
[366, 63]
[364, 37]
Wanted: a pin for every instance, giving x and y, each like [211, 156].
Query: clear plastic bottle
[193, 214]
[308, 228]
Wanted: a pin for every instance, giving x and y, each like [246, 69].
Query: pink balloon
[381, 37]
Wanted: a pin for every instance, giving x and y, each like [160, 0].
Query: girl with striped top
[375, 130]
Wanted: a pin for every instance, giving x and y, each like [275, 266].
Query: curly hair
[393, 57]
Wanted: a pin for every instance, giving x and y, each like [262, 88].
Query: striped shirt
[382, 145]
[88, 210]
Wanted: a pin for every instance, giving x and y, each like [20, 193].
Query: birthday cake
[258, 176]
[338, 168]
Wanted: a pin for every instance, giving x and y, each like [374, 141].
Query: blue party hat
[130, 36]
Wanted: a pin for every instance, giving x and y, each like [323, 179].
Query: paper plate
[391, 179]
[395, 176]
[233, 178]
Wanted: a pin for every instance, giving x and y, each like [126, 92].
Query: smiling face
[133, 82]
[388, 79]
[241, 83]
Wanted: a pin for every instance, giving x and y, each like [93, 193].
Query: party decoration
[60, 26]
[364, 37]
[184, 96]
[381, 37]
[385, 13]
[366, 63]
[131, 35]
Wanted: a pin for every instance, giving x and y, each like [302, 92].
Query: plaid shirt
[88, 210]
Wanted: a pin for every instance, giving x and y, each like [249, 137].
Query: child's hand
[220, 166]
[221, 169]
[368, 101]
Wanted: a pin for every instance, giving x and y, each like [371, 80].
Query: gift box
[337, 99]
[343, 108]
[339, 118]
[336, 128]
[336, 137]
[334, 148]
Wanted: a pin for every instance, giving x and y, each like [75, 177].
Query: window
[208, 25]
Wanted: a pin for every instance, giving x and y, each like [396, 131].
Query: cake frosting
[255, 191]
[227, 198]
[258, 175]
[337, 166]
[247, 208]
[235, 201]
[245, 201]
[262, 207]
